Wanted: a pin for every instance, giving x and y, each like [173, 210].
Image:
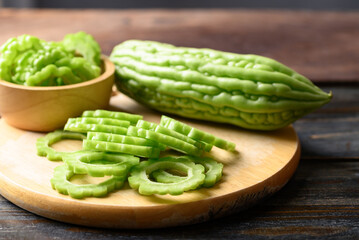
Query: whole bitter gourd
[249, 91]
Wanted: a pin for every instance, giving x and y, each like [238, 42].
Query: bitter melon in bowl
[249, 91]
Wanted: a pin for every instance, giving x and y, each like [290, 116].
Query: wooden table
[321, 201]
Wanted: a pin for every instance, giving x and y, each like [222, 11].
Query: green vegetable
[249, 91]
[114, 139]
[101, 121]
[139, 176]
[75, 126]
[80, 67]
[141, 151]
[196, 134]
[29, 61]
[85, 45]
[157, 128]
[99, 164]
[132, 118]
[43, 144]
[131, 140]
[61, 182]
[213, 172]
[171, 142]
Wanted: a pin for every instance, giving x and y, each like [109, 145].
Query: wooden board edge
[128, 218]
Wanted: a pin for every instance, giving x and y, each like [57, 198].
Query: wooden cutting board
[262, 164]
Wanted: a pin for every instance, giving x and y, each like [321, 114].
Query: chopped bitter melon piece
[43, 144]
[139, 176]
[166, 131]
[61, 182]
[196, 134]
[99, 164]
[213, 172]
[131, 140]
[141, 151]
[74, 126]
[171, 142]
[132, 118]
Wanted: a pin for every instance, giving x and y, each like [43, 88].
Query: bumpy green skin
[249, 91]
[29, 61]
[85, 45]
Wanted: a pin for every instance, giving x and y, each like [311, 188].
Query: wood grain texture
[332, 132]
[321, 200]
[320, 45]
[262, 164]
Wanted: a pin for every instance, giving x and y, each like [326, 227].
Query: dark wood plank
[332, 132]
[322, 199]
[320, 45]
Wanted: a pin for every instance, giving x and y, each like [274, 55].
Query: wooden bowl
[48, 108]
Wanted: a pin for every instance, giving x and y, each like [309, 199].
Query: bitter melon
[249, 91]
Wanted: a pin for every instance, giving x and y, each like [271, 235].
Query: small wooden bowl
[48, 108]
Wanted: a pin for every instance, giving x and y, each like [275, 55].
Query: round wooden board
[262, 164]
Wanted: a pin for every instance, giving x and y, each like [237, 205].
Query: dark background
[345, 5]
